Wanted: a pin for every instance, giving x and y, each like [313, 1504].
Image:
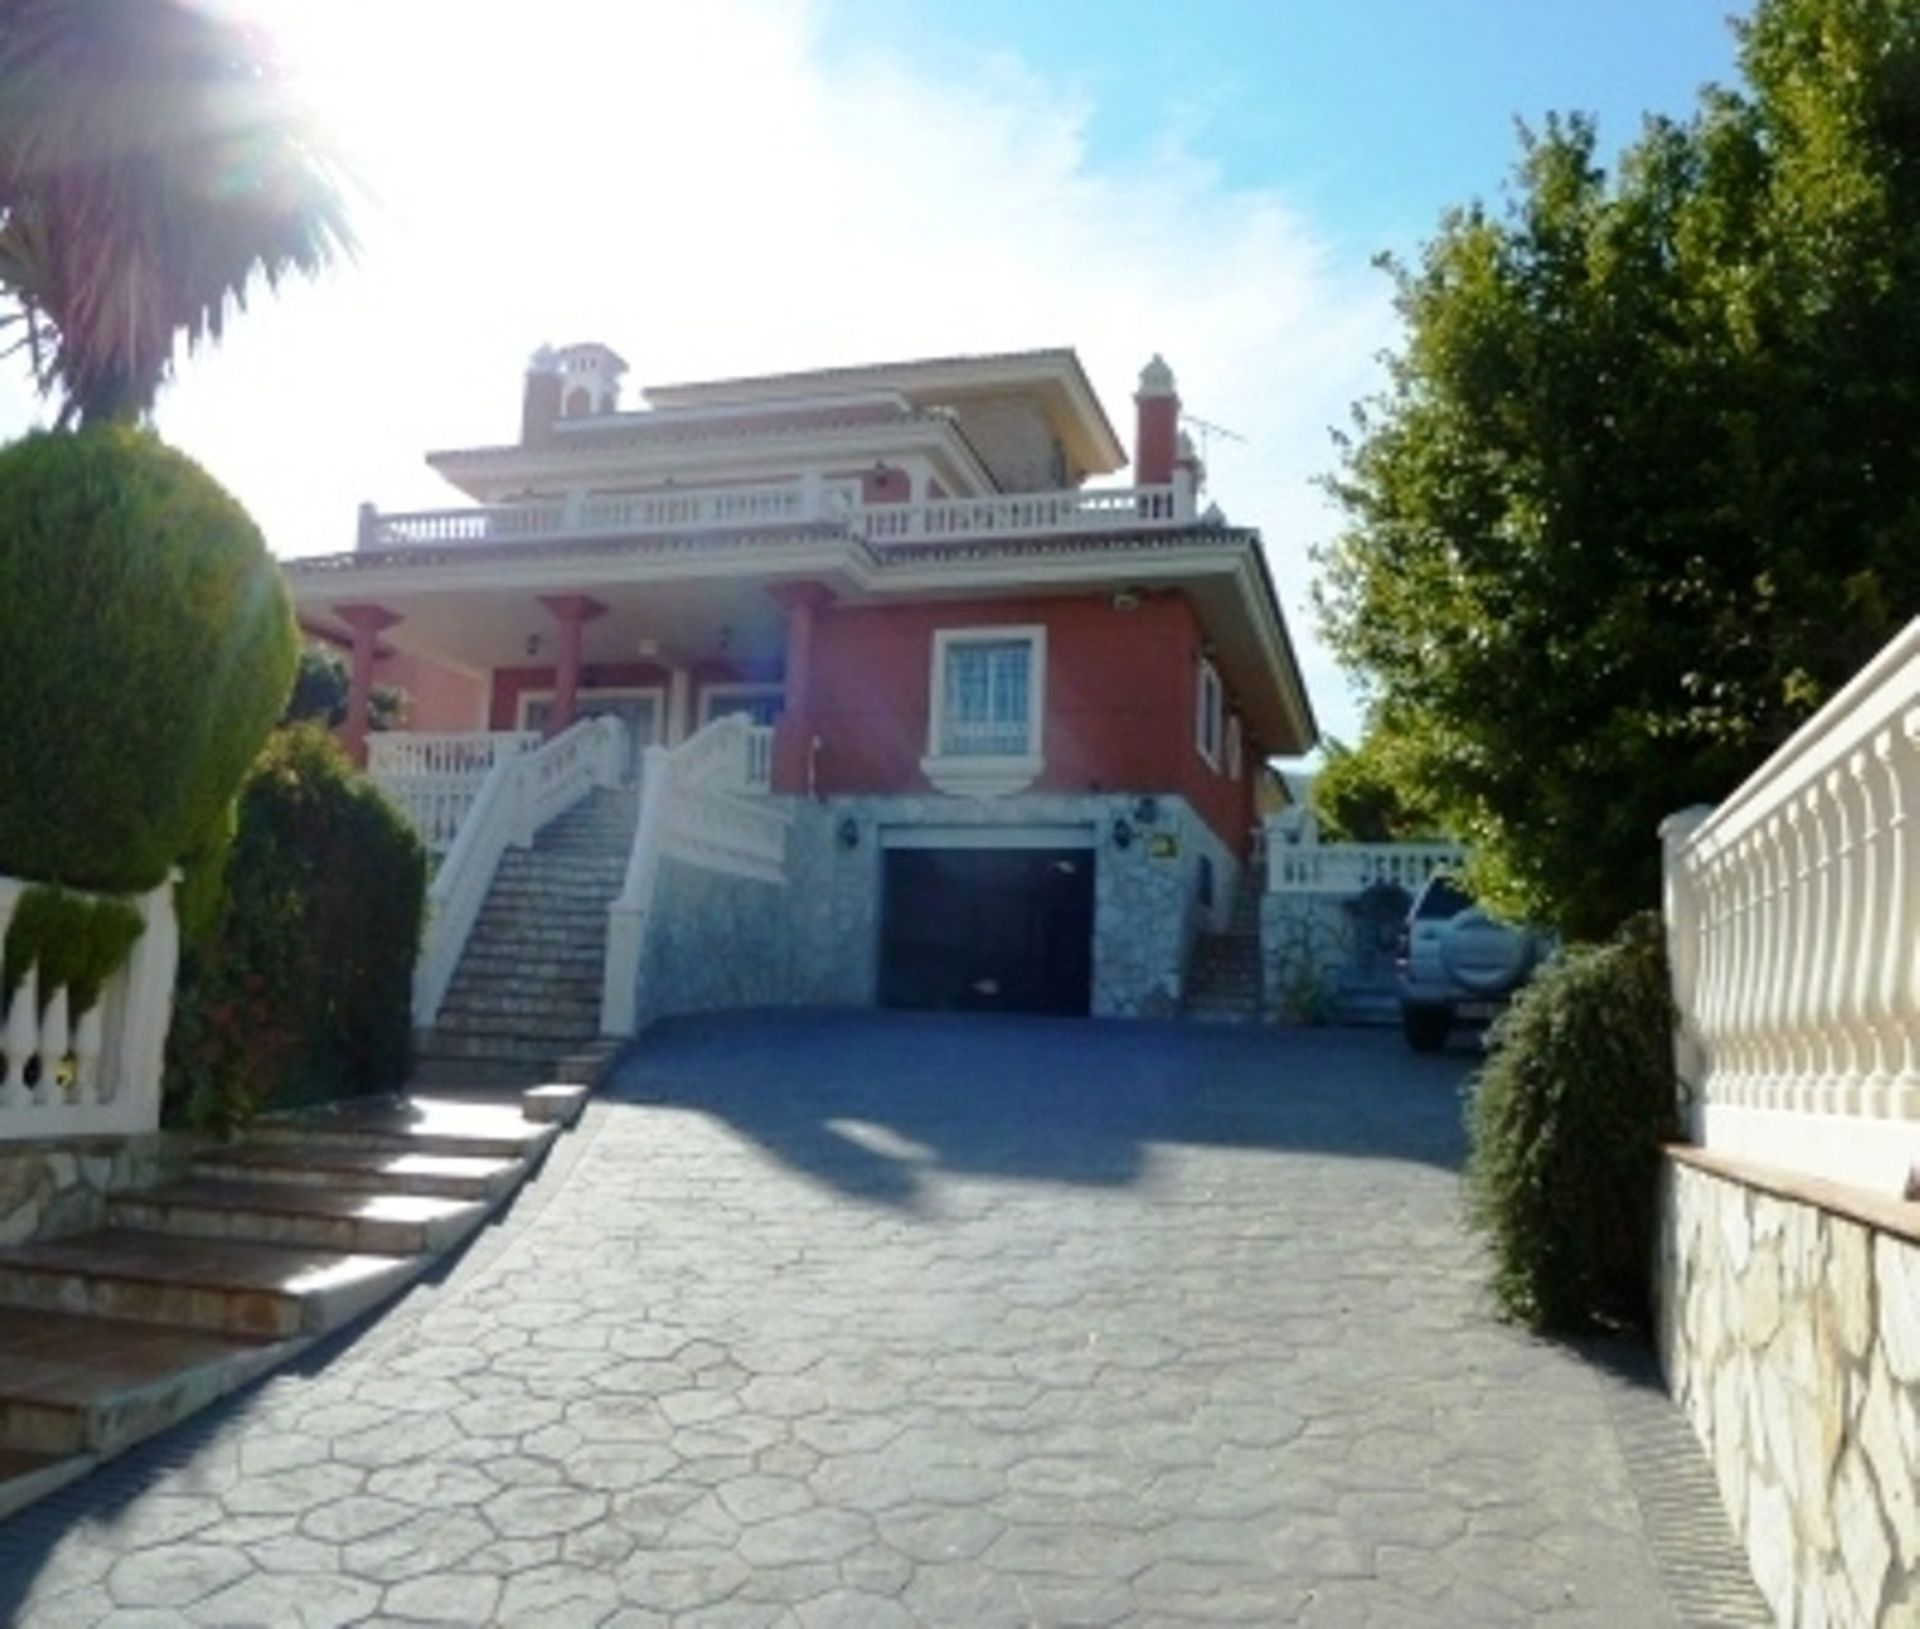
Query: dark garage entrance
[988, 929]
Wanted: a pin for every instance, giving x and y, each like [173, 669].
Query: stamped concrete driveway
[888, 1320]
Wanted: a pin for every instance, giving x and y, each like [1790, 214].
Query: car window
[1443, 898]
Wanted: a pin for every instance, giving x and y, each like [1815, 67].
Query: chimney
[1156, 440]
[540, 399]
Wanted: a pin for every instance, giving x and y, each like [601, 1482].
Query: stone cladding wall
[727, 941]
[1790, 1335]
[1306, 945]
[48, 1189]
[714, 941]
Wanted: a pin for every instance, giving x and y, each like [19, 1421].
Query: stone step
[578, 831]
[489, 1060]
[508, 973]
[580, 885]
[579, 1004]
[1227, 969]
[292, 1213]
[73, 1384]
[528, 1026]
[536, 900]
[525, 963]
[532, 1059]
[25, 1476]
[540, 910]
[1247, 983]
[1220, 1015]
[539, 930]
[498, 970]
[375, 1170]
[523, 1002]
[219, 1285]
[436, 1125]
[607, 858]
[557, 1102]
[462, 1074]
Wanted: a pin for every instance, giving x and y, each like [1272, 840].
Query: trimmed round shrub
[303, 989]
[1568, 1118]
[150, 647]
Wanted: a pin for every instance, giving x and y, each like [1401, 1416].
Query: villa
[841, 687]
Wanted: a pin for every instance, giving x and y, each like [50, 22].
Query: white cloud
[700, 188]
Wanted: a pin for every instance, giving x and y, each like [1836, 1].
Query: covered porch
[660, 659]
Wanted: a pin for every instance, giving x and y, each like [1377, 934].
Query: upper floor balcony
[809, 501]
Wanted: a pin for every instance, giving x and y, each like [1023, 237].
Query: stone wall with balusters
[1789, 1272]
[91, 1073]
[1794, 924]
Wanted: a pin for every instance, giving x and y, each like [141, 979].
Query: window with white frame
[1236, 747]
[987, 694]
[1209, 726]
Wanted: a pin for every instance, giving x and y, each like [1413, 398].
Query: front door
[639, 711]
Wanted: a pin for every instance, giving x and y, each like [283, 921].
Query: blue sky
[1373, 115]
[741, 186]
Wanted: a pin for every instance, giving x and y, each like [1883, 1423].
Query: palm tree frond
[152, 166]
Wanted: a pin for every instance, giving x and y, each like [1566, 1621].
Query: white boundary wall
[1793, 921]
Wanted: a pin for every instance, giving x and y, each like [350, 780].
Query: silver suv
[1456, 964]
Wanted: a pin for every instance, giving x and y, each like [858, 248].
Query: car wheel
[1425, 1027]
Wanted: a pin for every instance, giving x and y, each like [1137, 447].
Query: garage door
[988, 929]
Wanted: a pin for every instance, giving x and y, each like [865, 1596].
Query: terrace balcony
[809, 501]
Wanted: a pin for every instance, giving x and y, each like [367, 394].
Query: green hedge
[149, 649]
[1567, 1121]
[69, 940]
[303, 991]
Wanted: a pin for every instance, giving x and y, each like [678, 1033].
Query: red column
[793, 736]
[573, 612]
[367, 623]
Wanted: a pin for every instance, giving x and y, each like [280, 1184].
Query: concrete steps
[526, 995]
[1225, 982]
[363, 1170]
[198, 1286]
[70, 1383]
[266, 1291]
[299, 1213]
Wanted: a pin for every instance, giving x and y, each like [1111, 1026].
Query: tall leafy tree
[1644, 488]
[152, 168]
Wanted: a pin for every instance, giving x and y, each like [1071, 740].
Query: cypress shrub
[303, 990]
[150, 647]
[1567, 1120]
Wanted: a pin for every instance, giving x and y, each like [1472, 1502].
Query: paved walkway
[890, 1320]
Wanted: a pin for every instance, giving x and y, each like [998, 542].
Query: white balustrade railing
[760, 758]
[1793, 925]
[1082, 509]
[615, 514]
[450, 752]
[518, 796]
[1350, 868]
[692, 808]
[434, 778]
[94, 1073]
[742, 508]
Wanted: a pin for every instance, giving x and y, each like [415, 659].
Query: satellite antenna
[1208, 430]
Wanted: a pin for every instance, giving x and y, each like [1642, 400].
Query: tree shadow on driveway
[874, 1103]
